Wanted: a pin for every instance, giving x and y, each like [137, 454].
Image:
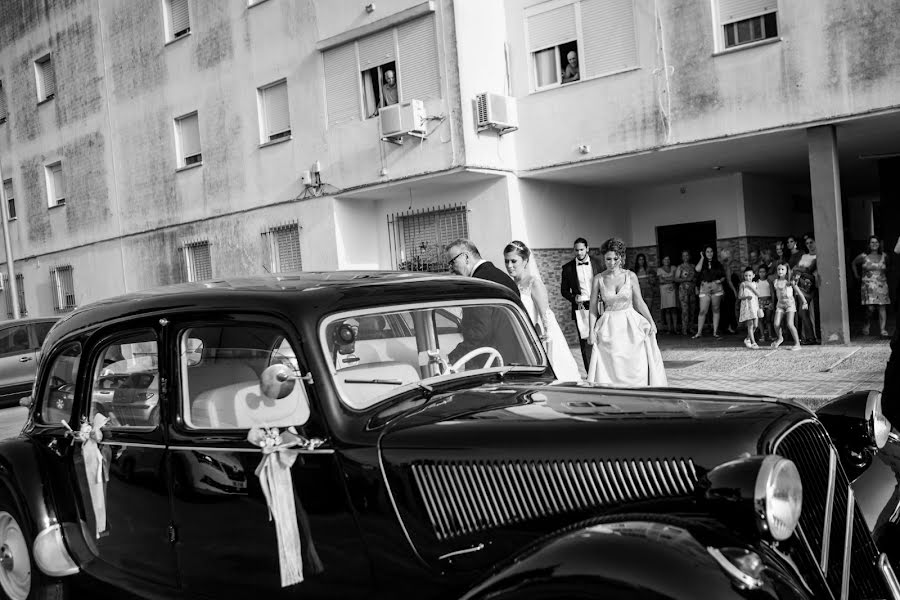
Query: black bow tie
[587, 262]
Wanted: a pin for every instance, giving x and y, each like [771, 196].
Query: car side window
[59, 389]
[220, 383]
[14, 340]
[41, 330]
[125, 383]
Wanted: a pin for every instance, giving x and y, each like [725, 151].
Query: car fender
[627, 559]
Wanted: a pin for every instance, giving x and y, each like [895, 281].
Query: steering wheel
[492, 356]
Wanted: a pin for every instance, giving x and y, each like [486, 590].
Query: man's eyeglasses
[453, 260]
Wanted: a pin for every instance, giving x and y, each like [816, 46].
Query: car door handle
[24, 358]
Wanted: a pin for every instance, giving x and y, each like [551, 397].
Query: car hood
[476, 464]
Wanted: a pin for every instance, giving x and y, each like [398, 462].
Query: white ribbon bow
[96, 471]
[274, 472]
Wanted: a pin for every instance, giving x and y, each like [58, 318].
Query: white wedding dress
[557, 347]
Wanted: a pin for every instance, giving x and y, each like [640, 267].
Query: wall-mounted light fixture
[370, 7]
[584, 148]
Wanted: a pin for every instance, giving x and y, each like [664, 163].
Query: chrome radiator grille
[465, 497]
[831, 525]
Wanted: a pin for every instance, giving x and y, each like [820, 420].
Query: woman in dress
[687, 292]
[645, 278]
[870, 268]
[668, 304]
[712, 280]
[523, 271]
[624, 335]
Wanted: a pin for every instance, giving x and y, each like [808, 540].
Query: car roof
[311, 294]
[29, 320]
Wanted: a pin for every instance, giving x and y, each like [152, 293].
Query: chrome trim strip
[829, 509]
[463, 551]
[848, 544]
[390, 495]
[109, 442]
[890, 578]
[222, 449]
[748, 581]
[789, 431]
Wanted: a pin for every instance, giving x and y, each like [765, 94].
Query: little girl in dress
[785, 289]
[764, 287]
[749, 298]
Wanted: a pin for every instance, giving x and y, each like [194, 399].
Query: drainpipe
[13, 285]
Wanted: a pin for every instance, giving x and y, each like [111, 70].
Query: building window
[747, 21]
[63, 288]
[417, 238]
[197, 262]
[281, 248]
[46, 79]
[187, 138]
[20, 294]
[56, 185]
[4, 113]
[274, 112]
[178, 20]
[581, 40]
[10, 199]
[373, 64]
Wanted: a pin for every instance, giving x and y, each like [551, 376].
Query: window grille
[188, 128]
[179, 18]
[20, 293]
[63, 288]
[10, 199]
[197, 261]
[276, 118]
[417, 238]
[3, 110]
[281, 248]
[46, 79]
[56, 185]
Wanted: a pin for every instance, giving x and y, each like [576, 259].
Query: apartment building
[145, 142]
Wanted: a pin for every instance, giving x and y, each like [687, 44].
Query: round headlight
[879, 425]
[779, 495]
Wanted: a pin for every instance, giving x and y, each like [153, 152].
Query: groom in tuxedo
[575, 286]
[480, 325]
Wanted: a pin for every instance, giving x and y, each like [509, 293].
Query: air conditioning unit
[405, 118]
[495, 111]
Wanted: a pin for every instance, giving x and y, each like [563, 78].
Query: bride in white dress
[522, 269]
[625, 349]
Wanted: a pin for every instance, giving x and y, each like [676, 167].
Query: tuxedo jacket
[568, 284]
[485, 326]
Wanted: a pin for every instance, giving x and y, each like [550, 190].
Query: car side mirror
[277, 381]
[193, 351]
[25, 401]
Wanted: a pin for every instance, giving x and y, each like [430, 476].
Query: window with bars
[747, 21]
[178, 19]
[4, 113]
[418, 237]
[46, 79]
[10, 199]
[56, 185]
[197, 261]
[281, 248]
[20, 294]
[63, 284]
[274, 112]
[187, 137]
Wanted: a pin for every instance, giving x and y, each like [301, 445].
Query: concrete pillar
[825, 184]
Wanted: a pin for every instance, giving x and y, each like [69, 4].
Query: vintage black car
[305, 436]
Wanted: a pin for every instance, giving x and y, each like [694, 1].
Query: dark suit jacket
[487, 326]
[890, 400]
[569, 286]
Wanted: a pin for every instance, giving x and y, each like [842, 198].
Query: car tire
[20, 578]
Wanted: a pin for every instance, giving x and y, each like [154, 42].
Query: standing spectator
[732, 280]
[765, 260]
[575, 286]
[712, 278]
[646, 279]
[754, 260]
[667, 300]
[687, 292]
[785, 306]
[806, 274]
[748, 296]
[781, 256]
[764, 288]
[870, 268]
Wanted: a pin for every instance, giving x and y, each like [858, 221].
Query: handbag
[760, 313]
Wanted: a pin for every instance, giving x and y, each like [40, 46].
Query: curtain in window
[278, 118]
[59, 182]
[369, 97]
[190, 136]
[545, 68]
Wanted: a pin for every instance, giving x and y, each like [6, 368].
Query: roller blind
[551, 28]
[275, 100]
[48, 79]
[341, 84]
[179, 16]
[738, 10]
[419, 68]
[376, 49]
[609, 36]
[59, 182]
[3, 111]
[190, 135]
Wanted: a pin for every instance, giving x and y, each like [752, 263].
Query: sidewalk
[812, 375]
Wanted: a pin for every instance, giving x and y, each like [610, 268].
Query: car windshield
[375, 354]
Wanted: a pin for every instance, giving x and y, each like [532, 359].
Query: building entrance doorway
[672, 239]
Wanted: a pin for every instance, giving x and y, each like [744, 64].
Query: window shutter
[341, 84]
[738, 10]
[277, 113]
[551, 28]
[609, 36]
[190, 136]
[420, 71]
[48, 80]
[376, 49]
[8, 189]
[178, 12]
[59, 183]
[3, 110]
